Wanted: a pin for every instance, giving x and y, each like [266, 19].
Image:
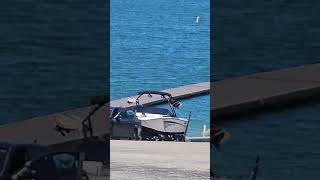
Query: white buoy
[197, 19]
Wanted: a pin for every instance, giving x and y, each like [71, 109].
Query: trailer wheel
[137, 134]
[182, 138]
[84, 175]
[179, 138]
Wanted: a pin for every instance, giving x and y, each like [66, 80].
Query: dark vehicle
[37, 162]
[124, 124]
[53, 166]
[14, 156]
[149, 123]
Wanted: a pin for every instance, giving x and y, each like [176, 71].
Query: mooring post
[255, 169]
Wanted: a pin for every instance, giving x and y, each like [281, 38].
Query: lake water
[158, 45]
[256, 36]
[52, 56]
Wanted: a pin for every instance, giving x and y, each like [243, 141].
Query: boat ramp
[41, 129]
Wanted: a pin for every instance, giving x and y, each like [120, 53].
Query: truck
[38, 162]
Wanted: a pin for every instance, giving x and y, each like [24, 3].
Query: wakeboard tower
[160, 123]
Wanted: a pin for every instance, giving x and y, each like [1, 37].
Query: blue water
[256, 36]
[157, 45]
[52, 56]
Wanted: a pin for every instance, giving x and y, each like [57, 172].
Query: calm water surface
[157, 45]
[52, 56]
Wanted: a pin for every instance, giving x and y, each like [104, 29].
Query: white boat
[160, 122]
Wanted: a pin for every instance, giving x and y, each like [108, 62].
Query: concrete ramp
[159, 160]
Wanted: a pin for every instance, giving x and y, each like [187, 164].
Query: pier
[181, 92]
[250, 93]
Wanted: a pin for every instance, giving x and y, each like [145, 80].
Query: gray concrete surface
[146, 160]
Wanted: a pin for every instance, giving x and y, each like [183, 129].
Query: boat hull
[166, 125]
[153, 135]
[162, 127]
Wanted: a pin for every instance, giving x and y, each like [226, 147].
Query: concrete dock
[159, 160]
[182, 92]
[264, 90]
[42, 130]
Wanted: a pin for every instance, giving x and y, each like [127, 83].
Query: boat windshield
[3, 155]
[154, 110]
